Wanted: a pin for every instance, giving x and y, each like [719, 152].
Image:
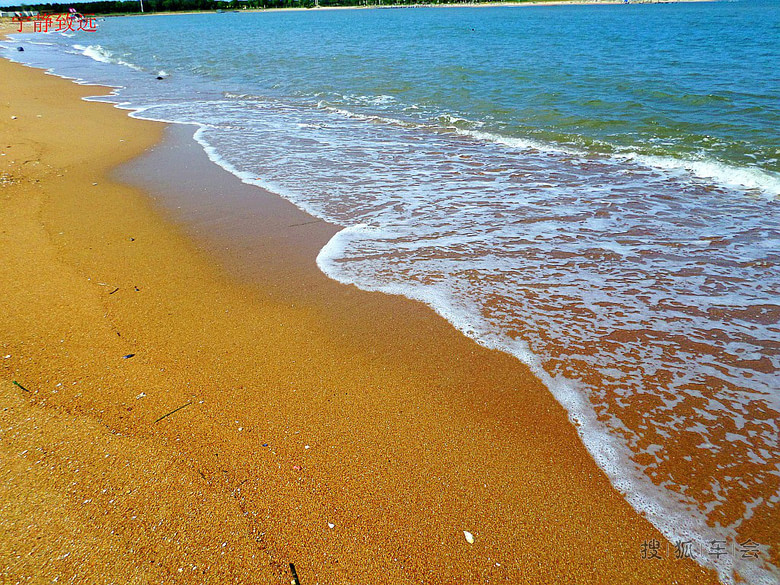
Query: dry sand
[353, 434]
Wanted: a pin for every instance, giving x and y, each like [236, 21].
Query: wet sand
[353, 434]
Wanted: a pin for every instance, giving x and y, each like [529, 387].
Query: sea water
[593, 189]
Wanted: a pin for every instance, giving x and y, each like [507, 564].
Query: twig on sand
[20, 386]
[173, 411]
[113, 291]
[304, 223]
[294, 575]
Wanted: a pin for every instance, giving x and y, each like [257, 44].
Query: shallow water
[592, 189]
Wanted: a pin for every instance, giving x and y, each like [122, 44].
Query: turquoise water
[593, 189]
[684, 81]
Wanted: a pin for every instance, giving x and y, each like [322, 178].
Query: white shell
[469, 536]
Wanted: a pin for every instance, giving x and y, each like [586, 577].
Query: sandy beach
[188, 400]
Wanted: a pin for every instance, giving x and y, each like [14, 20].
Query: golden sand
[352, 434]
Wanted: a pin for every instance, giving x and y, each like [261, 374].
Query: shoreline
[536, 3]
[379, 417]
[393, 6]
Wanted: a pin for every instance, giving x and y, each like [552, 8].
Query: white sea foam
[724, 175]
[102, 55]
[762, 181]
[520, 143]
[753, 178]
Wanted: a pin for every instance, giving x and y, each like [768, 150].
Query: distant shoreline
[476, 5]
[449, 5]
[394, 6]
